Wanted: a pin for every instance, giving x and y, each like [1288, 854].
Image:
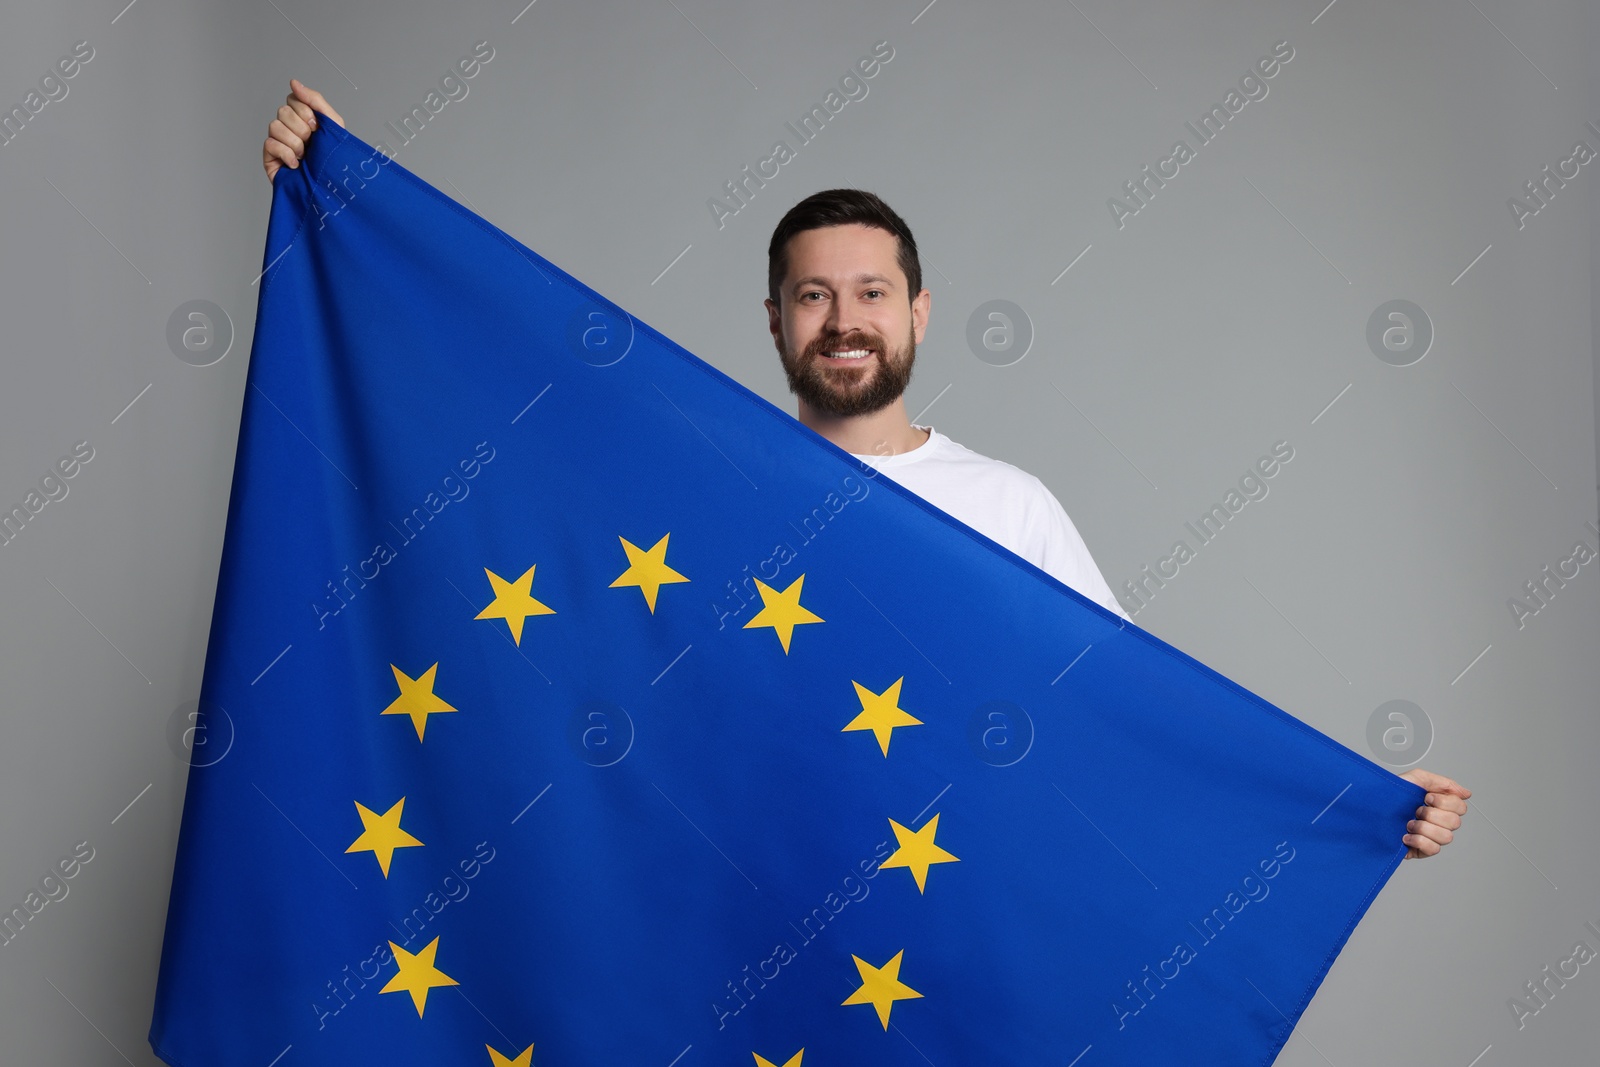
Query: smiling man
[846, 309]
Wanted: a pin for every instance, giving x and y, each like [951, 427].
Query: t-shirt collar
[928, 448]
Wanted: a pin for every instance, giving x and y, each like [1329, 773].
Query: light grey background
[1228, 314]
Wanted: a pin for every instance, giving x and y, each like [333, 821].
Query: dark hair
[840, 207]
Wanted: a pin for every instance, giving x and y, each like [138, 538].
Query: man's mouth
[846, 355]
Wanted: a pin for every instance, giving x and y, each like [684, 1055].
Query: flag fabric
[567, 703]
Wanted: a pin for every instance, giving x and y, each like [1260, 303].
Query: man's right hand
[296, 121]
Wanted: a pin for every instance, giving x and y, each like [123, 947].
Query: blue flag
[567, 703]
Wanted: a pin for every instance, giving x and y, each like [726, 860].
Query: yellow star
[880, 713]
[648, 570]
[793, 1061]
[782, 611]
[917, 850]
[881, 987]
[382, 834]
[513, 602]
[416, 698]
[417, 974]
[524, 1059]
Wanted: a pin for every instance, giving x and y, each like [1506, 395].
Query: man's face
[846, 329]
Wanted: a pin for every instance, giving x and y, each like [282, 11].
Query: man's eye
[875, 292]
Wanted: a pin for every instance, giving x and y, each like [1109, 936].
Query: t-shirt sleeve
[1058, 548]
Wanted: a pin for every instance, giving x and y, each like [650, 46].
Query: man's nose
[842, 318]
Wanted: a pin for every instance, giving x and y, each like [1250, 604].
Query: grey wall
[1227, 315]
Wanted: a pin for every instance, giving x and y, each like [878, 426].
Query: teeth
[854, 353]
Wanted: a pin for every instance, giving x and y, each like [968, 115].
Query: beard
[843, 389]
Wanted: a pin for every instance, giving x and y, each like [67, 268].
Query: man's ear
[919, 313]
[774, 318]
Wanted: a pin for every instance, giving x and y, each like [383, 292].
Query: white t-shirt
[1002, 502]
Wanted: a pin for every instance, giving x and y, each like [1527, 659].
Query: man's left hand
[1439, 816]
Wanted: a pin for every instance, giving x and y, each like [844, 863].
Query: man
[846, 310]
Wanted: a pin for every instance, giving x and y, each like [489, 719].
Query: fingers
[280, 132]
[1421, 848]
[313, 99]
[297, 119]
[275, 154]
[1446, 802]
[301, 109]
[1439, 817]
[1436, 782]
[1426, 838]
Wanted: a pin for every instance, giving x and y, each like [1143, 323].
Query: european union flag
[569, 704]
